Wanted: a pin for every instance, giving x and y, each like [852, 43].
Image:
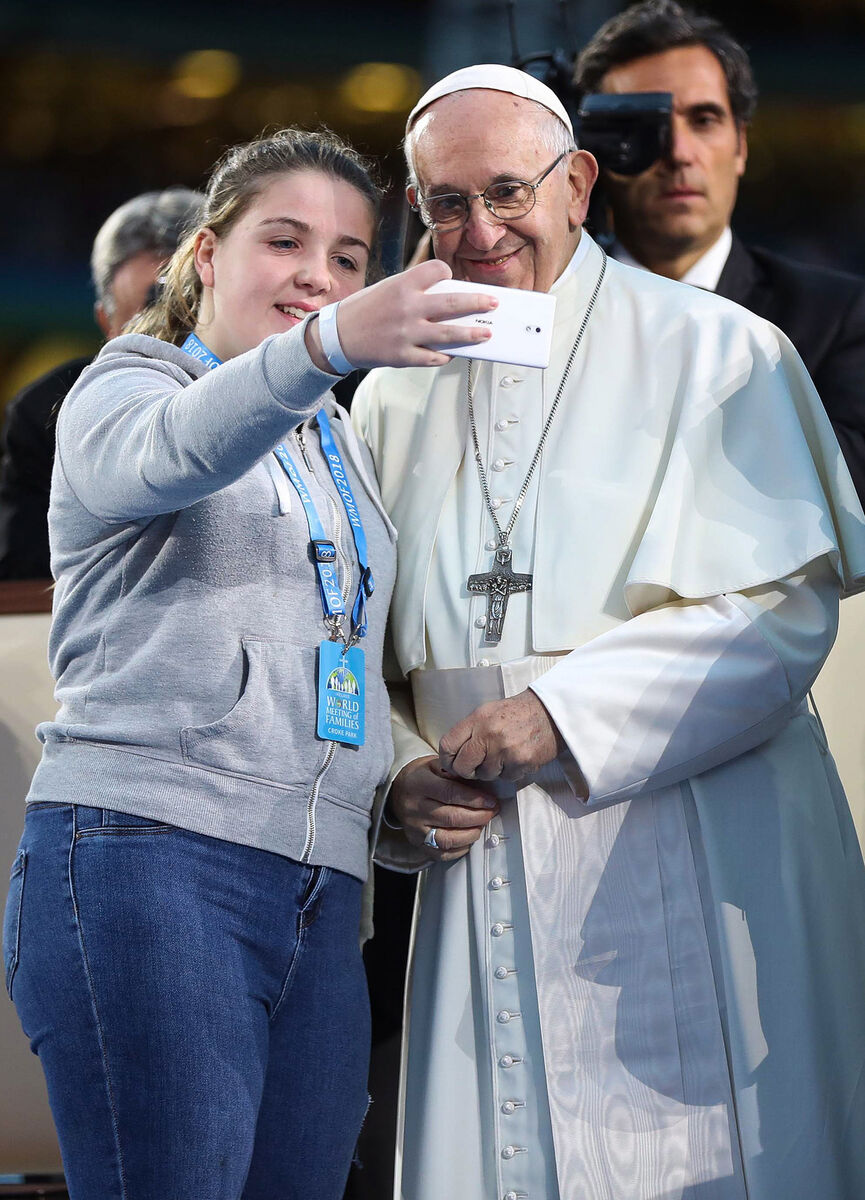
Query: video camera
[626, 133]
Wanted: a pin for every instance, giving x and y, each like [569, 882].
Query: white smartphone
[522, 324]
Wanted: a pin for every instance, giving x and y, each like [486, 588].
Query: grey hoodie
[187, 613]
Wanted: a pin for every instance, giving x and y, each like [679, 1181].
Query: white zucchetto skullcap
[495, 78]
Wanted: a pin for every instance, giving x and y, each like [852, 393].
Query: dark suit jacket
[823, 314]
[26, 459]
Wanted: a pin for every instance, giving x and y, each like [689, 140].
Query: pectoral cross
[499, 584]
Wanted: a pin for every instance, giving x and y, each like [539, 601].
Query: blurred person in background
[182, 928]
[674, 218]
[129, 251]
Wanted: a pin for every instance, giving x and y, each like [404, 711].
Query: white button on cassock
[501, 972]
[507, 1060]
[496, 883]
[498, 929]
[496, 502]
[480, 622]
[499, 464]
[503, 1016]
[509, 1108]
[508, 381]
[502, 425]
[491, 544]
[509, 1151]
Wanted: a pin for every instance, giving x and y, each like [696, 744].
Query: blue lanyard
[324, 550]
[366, 583]
[195, 347]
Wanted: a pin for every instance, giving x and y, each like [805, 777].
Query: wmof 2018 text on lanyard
[341, 687]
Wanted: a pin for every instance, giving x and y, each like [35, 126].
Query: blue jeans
[199, 1009]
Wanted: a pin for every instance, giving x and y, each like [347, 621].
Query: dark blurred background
[100, 101]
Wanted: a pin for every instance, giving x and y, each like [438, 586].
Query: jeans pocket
[12, 918]
[119, 823]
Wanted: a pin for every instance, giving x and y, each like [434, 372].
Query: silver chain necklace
[500, 582]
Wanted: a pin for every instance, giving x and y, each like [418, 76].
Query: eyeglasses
[508, 200]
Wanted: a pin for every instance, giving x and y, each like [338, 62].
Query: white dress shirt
[705, 272]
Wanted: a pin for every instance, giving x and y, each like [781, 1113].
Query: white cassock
[656, 991]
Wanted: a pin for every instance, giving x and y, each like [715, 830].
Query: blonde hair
[237, 178]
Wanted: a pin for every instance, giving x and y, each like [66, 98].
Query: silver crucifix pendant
[498, 584]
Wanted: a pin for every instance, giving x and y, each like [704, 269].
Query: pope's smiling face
[466, 141]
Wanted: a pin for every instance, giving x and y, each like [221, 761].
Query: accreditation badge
[341, 694]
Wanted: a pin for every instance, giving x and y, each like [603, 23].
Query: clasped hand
[508, 739]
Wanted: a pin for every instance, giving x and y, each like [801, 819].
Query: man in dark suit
[26, 458]
[129, 251]
[674, 218]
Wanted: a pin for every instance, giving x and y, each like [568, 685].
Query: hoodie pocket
[269, 733]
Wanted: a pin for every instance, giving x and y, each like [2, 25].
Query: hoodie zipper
[330, 755]
[312, 800]
[301, 441]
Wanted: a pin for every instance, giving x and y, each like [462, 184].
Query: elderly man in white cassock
[639, 955]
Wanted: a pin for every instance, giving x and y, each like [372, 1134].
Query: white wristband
[329, 338]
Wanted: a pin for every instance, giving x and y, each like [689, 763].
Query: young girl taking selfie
[181, 936]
